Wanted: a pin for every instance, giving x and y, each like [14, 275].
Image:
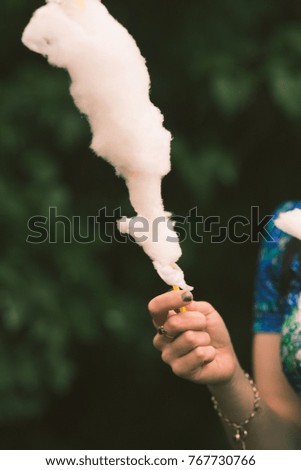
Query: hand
[198, 346]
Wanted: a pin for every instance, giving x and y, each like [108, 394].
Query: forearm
[267, 430]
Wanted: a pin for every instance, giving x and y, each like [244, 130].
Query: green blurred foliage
[77, 367]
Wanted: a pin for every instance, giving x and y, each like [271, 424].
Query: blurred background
[77, 365]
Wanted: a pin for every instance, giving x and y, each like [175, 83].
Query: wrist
[239, 425]
[231, 382]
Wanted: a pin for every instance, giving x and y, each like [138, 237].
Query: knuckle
[200, 319]
[189, 337]
[177, 370]
[171, 323]
[207, 305]
[165, 356]
[206, 338]
[199, 353]
[156, 342]
[211, 352]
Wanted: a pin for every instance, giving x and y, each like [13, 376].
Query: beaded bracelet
[240, 433]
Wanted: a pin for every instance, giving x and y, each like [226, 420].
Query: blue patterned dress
[275, 312]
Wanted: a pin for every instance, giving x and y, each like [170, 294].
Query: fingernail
[187, 296]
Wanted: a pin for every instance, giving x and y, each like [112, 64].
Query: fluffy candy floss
[110, 85]
[290, 223]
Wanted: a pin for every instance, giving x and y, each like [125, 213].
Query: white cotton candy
[290, 222]
[110, 84]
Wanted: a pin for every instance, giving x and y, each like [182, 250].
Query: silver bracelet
[240, 433]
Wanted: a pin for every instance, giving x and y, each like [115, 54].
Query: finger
[204, 307]
[160, 305]
[184, 344]
[162, 337]
[177, 324]
[169, 314]
[160, 342]
[187, 366]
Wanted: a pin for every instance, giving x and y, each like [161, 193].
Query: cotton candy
[290, 222]
[110, 85]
